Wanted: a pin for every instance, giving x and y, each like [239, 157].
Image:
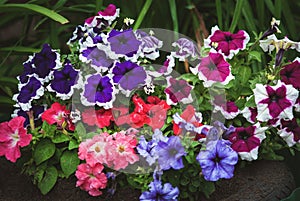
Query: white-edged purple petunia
[64, 81]
[218, 160]
[150, 44]
[178, 90]
[275, 101]
[78, 35]
[212, 69]
[98, 90]
[225, 42]
[185, 49]
[33, 89]
[35, 113]
[290, 131]
[246, 141]
[129, 75]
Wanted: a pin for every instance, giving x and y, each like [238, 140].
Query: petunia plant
[115, 112]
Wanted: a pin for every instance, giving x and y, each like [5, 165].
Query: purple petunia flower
[33, 89]
[159, 192]
[98, 90]
[150, 44]
[129, 75]
[178, 91]
[275, 101]
[146, 149]
[290, 73]
[64, 81]
[218, 160]
[170, 153]
[186, 48]
[124, 42]
[78, 34]
[227, 43]
[36, 110]
[246, 141]
[212, 69]
[290, 131]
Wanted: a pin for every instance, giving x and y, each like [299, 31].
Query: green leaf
[44, 150]
[49, 130]
[80, 129]
[142, 14]
[39, 9]
[207, 188]
[236, 16]
[6, 100]
[255, 55]
[59, 138]
[244, 73]
[69, 162]
[250, 102]
[73, 144]
[48, 181]
[20, 49]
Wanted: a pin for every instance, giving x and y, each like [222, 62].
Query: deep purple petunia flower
[178, 91]
[218, 160]
[45, 61]
[64, 81]
[212, 69]
[227, 43]
[170, 153]
[36, 110]
[159, 192]
[290, 74]
[124, 43]
[275, 101]
[129, 75]
[98, 90]
[290, 131]
[98, 58]
[33, 89]
[246, 141]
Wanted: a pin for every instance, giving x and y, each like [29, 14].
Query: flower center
[97, 149]
[228, 38]
[100, 87]
[121, 148]
[244, 135]
[211, 66]
[274, 98]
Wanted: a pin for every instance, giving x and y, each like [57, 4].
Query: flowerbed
[116, 112]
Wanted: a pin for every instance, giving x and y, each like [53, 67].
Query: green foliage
[69, 162]
[49, 180]
[44, 150]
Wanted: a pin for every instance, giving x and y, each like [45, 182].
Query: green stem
[142, 14]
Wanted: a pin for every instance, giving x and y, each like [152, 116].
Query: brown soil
[263, 180]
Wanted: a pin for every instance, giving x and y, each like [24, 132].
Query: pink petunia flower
[212, 69]
[121, 150]
[246, 141]
[227, 43]
[13, 136]
[275, 101]
[58, 114]
[109, 14]
[91, 178]
[290, 131]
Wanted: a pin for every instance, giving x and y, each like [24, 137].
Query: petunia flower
[160, 192]
[35, 112]
[129, 75]
[100, 118]
[108, 15]
[178, 90]
[91, 178]
[185, 49]
[250, 114]
[78, 34]
[225, 42]
[273, 29]
[64, 81]
[290, 131]
[58, 114]
[246, 141]
[290, 73]
[212, 69]
[98, 90]
[229, 109]
[170, 153]
[150, 45]
[28, 92]
[13, 136]
[275, 101]
[218, 160]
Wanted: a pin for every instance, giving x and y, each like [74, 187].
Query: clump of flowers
[111, 109]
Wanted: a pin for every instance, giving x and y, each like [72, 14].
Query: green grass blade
[237, 13]
[19, 49]
[39, 9]
[247, 13]
[6, 100]
[270, 6]
[142, 14]
[219, 14]
[278, 8]
[173, 12]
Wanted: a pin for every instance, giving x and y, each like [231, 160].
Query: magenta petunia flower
[290, 131]
[290, 73]
[227, 43]
[178, 90]
[91, 178]
[246, 141]
[275, 101]
[108, 15]
[229, 109]
[250, 114]
[13, 136]
[212, 69]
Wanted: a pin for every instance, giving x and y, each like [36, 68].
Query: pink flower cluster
[115, 151]
[13, 136]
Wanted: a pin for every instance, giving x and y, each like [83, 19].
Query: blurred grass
[24, 30]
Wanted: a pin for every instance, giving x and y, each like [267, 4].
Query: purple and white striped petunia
[150, 44]
[178, 90]
[246, 141]
[227, 43]
[33, 89]
[275, 101]
[290, 131]
[185, 48]
[212, 69]
[64, 81]
[98, 90]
